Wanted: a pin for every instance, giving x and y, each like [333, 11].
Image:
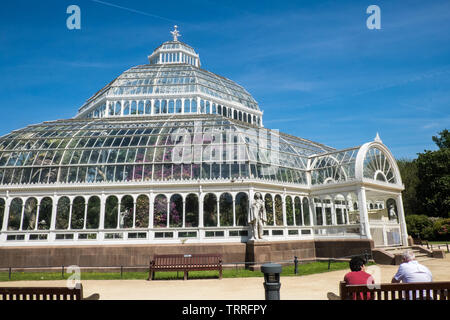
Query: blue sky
[314, 67]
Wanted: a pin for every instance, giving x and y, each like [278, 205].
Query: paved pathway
[312, 287]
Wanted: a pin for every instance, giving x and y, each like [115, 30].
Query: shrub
[420, 226]
[441, 229]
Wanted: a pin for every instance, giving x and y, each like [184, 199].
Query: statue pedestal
[257, 253]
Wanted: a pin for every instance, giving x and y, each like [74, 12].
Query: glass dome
[172, 82]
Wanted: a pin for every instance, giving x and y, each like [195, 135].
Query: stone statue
[257, 217]
[392, 213]
[122, 216]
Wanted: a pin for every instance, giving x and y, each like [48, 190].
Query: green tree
[408, 172]
[433, 169]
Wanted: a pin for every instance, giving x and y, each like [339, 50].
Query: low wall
[140, 255]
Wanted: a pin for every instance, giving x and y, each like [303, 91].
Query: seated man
[412, 271]
[358, 275]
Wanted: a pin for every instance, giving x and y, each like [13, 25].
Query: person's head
[408, 255]
[357, 263]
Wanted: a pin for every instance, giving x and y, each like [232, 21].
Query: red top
[359, 277]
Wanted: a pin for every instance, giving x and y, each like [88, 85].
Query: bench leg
[151, 275]
[185, 275]
[220, 274]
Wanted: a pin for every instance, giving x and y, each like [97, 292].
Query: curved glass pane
[78, 209]
[126, 214]
[111, 212]
[176, 211]
[62, 213]
[226, 209]
[160, 212]
[278, 210]
[30, 214]
[210, 210]
[142, 211]
[269, 208]
[93, 213]
[15, 214]
[192, 211]
[242, 207]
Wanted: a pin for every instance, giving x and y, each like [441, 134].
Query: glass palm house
[169, 152]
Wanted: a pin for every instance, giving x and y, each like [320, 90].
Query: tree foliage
[433, 170]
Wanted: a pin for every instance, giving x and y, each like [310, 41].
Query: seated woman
[358, 275]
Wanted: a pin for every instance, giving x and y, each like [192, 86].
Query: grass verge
[303, 269]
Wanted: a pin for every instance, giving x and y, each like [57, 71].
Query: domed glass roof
[173, 72]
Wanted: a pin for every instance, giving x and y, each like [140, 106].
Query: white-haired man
[411, 270]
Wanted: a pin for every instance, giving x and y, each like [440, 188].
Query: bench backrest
[439, 290]
[41, 293]
[192, 260]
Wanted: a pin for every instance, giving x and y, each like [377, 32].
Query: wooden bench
[44, 293]
[439, 290]
[185, 263]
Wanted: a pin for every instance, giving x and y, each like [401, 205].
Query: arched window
[133, 108]
[224, 111]
[126, 108]
[78, 208]
[118, 110]
[15, 214]
[111, 212]
[194, 106]
[306, 212]
[319, 214]
[141, 107]
[93, 213]
[242, 207]
[178, 106]
[377, 166]
[160, 211]
[289, 211]
[240, 115]
[208, 107]
[142, 211]
[2, 212]
[214, 108]
[226, 210]
[192, 211]
[278, 210]
[62, 213]
[30, 214]
[202, 106]
[126, 213]
[235, 115]
[164, 106]
[148, 107]
[269, 208]
[298, 211]
[210, 210]
[219, 109]
[176, 211]
[157, 107]
[187, 106]
[171, 106]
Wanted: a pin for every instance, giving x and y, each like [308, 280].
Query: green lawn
[303, 269]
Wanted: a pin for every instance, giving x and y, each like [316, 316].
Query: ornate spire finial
[377, 138]
[175, 33]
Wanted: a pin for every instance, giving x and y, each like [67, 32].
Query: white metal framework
[169, 152]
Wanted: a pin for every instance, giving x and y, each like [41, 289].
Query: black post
[329, 264]
[62, 272]
[447, 247]
[272, 283]
[121, 272]
[366, 256]
[296, 265]
[9, 273]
